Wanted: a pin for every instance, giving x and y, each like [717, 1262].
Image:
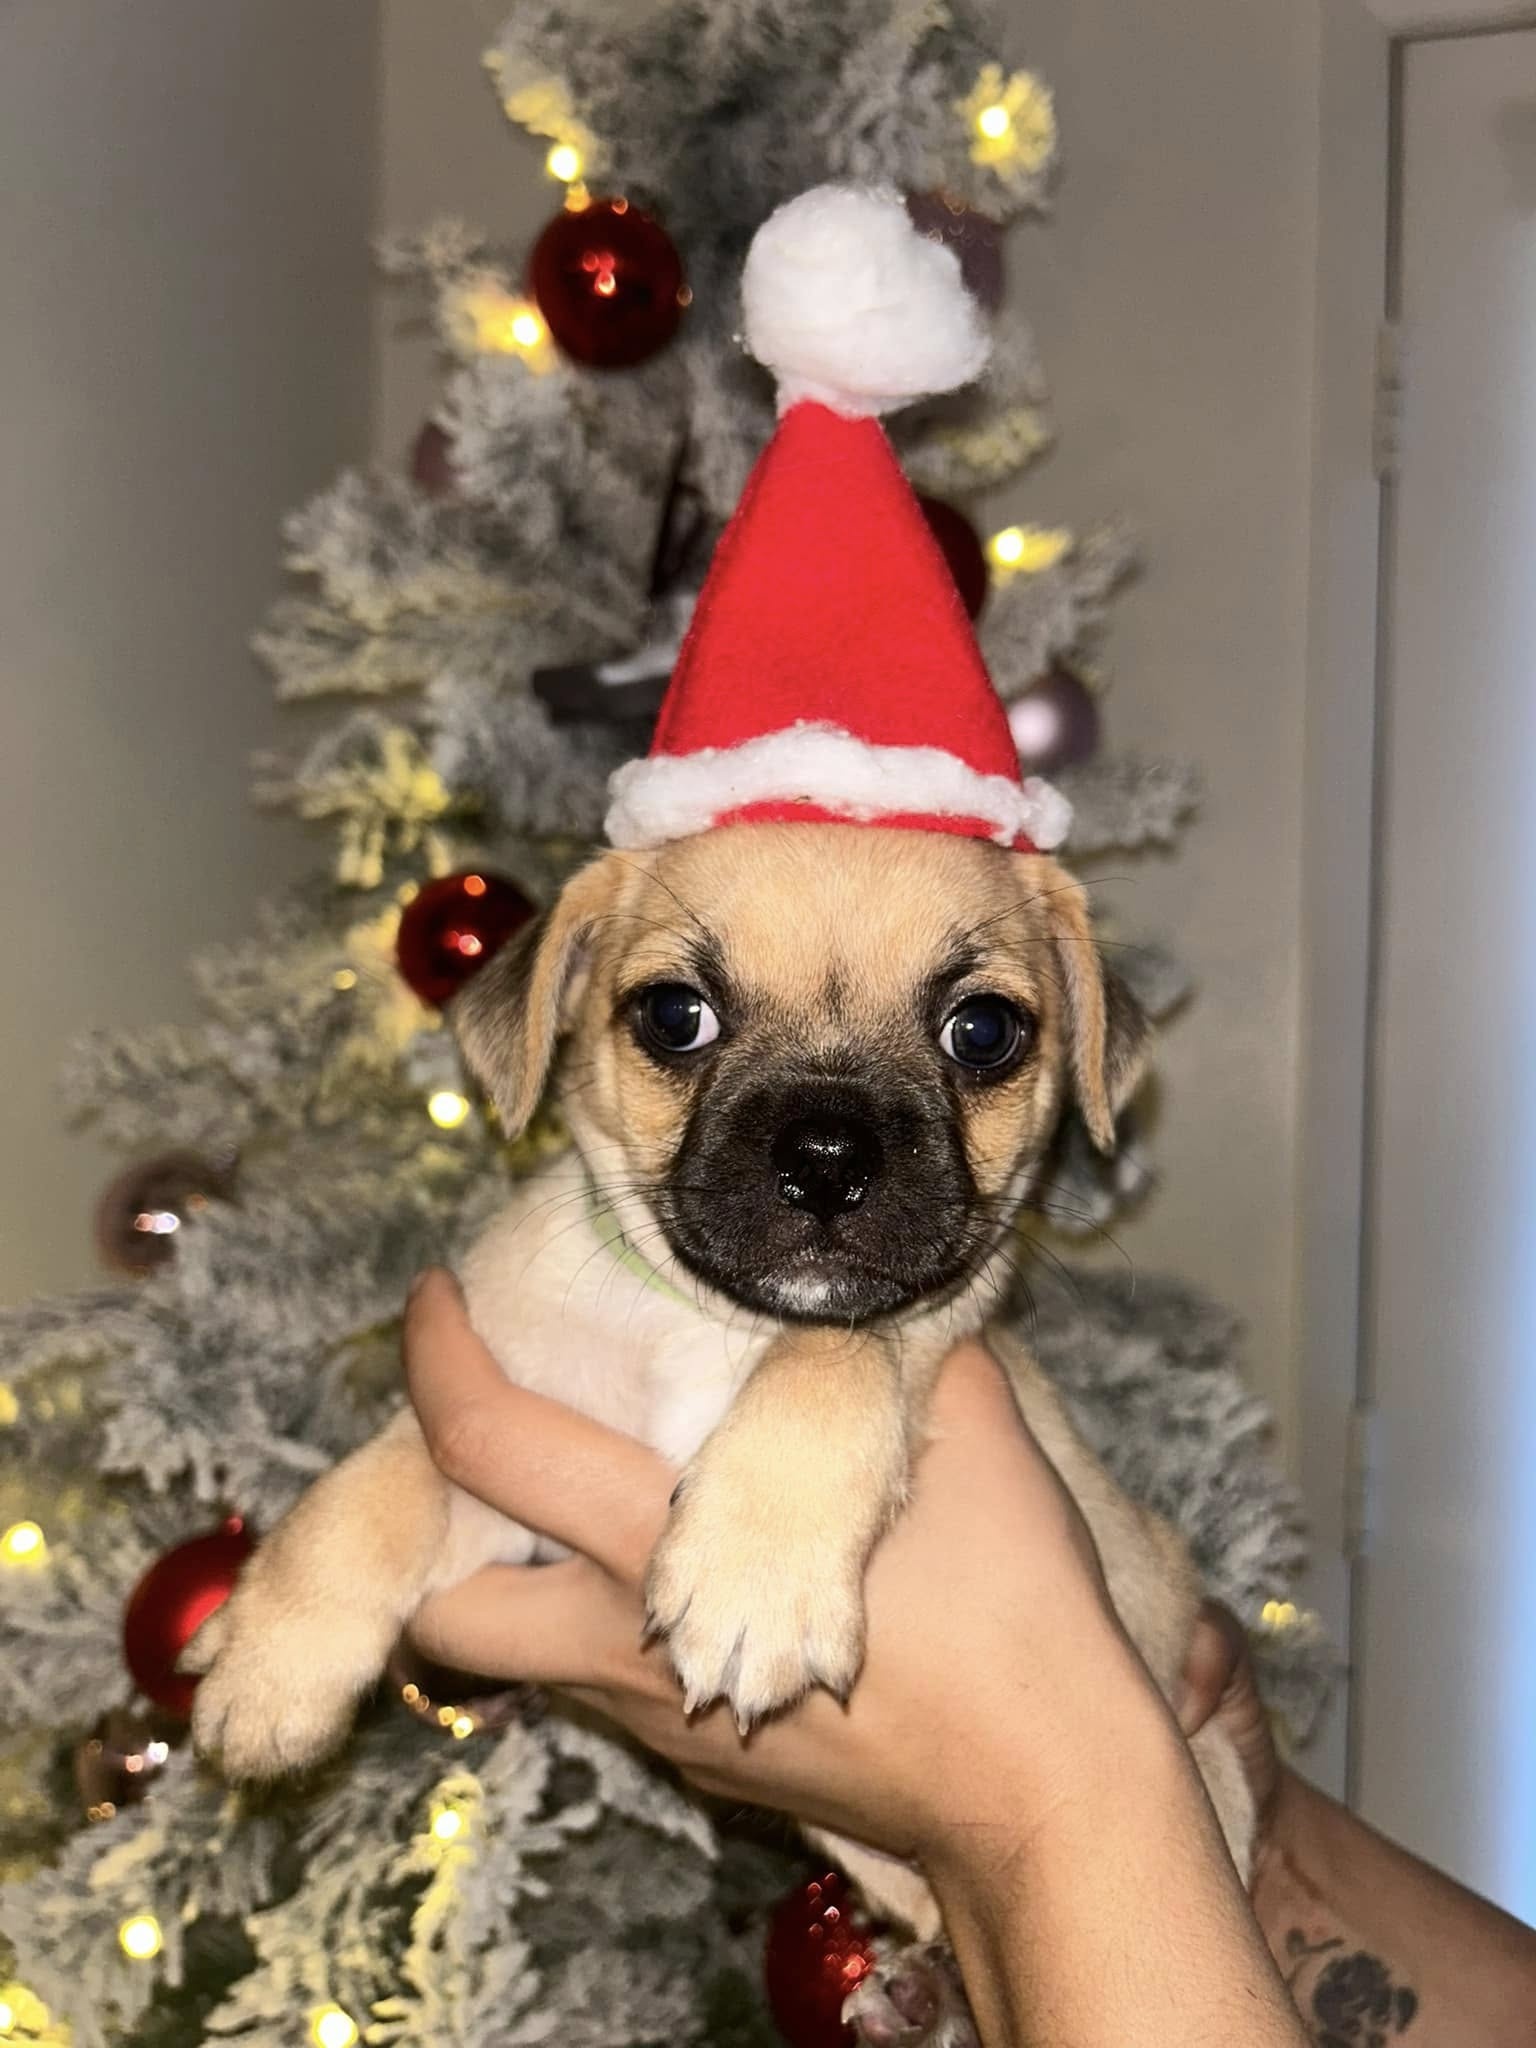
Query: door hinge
[1362, 1449]
[1387, 402]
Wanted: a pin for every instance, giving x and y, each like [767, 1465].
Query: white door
[1444, 1734]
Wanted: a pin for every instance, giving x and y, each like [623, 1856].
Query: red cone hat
[830, 673]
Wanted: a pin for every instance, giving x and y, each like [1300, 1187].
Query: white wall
[1173, 300]
[183, 356]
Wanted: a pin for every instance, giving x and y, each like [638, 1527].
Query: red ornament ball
[609, 284]
[452, 926]
[141, 1212]
[432, 469]
[170, 1604]
[119, 1761]
[1055, 723]
[819, 1951]
[975, 237]
[961, 549]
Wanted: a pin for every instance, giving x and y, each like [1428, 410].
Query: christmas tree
[496, 627]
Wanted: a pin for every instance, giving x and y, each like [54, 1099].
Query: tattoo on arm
[1346, 1997]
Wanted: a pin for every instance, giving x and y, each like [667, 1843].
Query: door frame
[1361, 43]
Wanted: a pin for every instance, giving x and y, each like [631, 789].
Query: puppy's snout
[826, 1163]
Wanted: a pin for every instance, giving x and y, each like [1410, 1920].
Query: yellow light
[344, 978]
[140, 1937]
[7, 2017]
[1029, 549]
[10, 1407]
[445, 1717]
[22, 1543]
[564, 163]
[330, 2027]
[1279, 1614]
[446, 1823]
[462, 1725]
[447, 1109]
[994, 121]
[502, 325]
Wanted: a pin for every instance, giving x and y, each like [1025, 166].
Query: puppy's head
[822, 1059]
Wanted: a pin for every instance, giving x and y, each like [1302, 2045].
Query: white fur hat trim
[671, 796]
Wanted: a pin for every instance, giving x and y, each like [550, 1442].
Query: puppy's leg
[757, 1581]
[318, 1608]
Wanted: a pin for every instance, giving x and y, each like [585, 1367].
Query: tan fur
[826, 931]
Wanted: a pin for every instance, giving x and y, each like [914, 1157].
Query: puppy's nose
[826, 1163]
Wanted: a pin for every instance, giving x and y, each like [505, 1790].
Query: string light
[564, 162]
[330, 2027]
[1012, 121]
[7, 2017]
[502, 325]
[447, 1108]
[140, 1937]
[447, 1822]
[1026, 550]
[1279, 1614]
[344, 978]
[23, 1543]
[460, 1726]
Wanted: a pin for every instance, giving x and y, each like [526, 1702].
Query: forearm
[1364, 1932]
[1119, 1919]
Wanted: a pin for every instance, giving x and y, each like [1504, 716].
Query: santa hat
[830, 673]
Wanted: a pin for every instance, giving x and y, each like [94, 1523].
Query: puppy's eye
[675, 1018]
[983, 1034]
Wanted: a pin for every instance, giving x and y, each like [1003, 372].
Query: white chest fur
[572, 1316]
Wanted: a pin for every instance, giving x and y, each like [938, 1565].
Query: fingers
[972, 1395]
[554, 1624]
[534, 1459]
[1216, 1651]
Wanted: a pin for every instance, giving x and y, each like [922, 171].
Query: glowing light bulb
[527, 329]
[1029, 549]
[994, 121]
[344, 978]
[7, 2017]
[1279, 1614]
[461, 1726]
[446, 1823]
[330, 2027]
[447, 1108]
[564, 163]
[140, 1937]
[23, 1543]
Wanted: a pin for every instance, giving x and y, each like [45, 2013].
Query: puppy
[810, 1070]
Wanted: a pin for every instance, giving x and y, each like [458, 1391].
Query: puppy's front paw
[277, 1692]
[751, 1612]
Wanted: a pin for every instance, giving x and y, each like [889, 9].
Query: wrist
[1059, 1762]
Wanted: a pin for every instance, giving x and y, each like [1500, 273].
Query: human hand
[1218, 1685]
[996, 1676]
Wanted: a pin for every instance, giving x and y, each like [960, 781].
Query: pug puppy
[810, 1070]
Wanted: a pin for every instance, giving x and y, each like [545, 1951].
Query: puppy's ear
[509, 1018]
[1107, 1029]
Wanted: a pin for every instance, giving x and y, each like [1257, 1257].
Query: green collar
[610, 1233]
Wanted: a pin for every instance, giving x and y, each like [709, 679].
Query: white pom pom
[846, 302]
